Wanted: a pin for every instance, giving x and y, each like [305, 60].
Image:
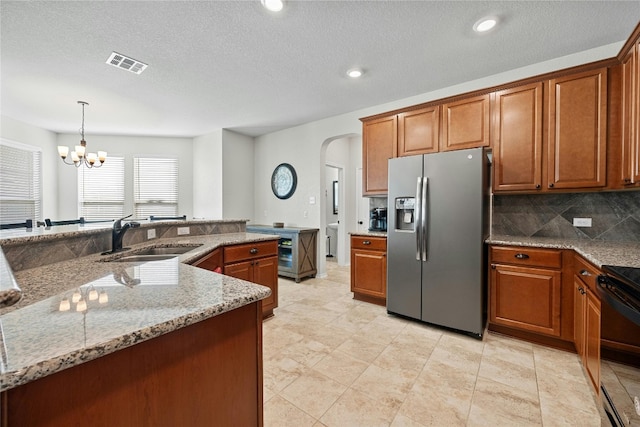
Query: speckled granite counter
[597, 252]
[369, 233]
[145, 300]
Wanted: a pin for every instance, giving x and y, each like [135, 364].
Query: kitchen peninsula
[162, 343]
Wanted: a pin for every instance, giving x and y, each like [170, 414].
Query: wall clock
[284, 181]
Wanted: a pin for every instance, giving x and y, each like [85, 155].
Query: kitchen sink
[153, 254]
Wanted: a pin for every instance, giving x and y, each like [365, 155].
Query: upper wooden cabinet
[630, 160]
[516, 138]
[379, 144]
[577, 135]
[465, 123]
[419, 131]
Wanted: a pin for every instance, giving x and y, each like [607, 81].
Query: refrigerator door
[452, 276]
[403, 269]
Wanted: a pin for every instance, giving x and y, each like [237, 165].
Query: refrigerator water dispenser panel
[405, 213]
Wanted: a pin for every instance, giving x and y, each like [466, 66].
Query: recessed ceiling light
[273, 5]
[485, 24]
[354, 73]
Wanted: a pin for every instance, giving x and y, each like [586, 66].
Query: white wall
[207, 176]
[237, 176]
[31, 135]
[128, 147]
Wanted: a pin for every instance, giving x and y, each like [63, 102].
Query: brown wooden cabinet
[516, 138]
[257, 263]
[525, 290]
[419, 131]
[369, 268]
[577, 130]
[630, 153]
[587, 314]
[379, 144]
[465, 123]
[254, 262]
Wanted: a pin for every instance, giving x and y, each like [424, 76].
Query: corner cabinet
[296, 250]
[369, 268]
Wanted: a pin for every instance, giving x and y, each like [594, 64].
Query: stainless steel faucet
[117, 233]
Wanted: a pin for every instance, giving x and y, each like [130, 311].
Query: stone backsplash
[615, 215]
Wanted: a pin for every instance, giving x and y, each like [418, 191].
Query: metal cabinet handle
[537, 186]
[493, 266]
[582, 291]
[253, 251]
[584, 273]
[366, 242]
[521, 256]
[551, 185]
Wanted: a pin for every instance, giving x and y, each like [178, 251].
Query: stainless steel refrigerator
[437, 223]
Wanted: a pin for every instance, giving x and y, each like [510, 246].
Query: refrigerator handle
[416, 219]
[424, 217]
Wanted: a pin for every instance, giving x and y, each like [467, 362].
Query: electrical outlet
[312, 200]
[151, 234]
[582, 222]
[183, 230]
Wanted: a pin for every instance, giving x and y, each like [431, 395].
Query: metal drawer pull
[582, 291]
[253, 251]
[584, 273]
[522, 256]
[366, 242]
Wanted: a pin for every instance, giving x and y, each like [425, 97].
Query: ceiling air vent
[121, 61]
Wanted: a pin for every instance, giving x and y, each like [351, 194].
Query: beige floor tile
[313, 392]
[279, 412]
[362, 348]
[341, 367]
[458, 354]
[404, 421]
[307, 352]
[509, 373]
[279, 372]
[356, 409]
[496, 404]
[383, 385]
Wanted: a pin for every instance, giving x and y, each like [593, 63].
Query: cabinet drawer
[369, 243]
[527, 256]
[586, 272]
[242, 252]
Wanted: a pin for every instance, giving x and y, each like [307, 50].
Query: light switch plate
[582, 222]
[183, 230]
[151, 234]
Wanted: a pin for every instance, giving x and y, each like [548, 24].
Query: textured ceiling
[234, 65]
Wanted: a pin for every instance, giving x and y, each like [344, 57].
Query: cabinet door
[369, 273]
[592, 339]
[240, 270]
[465, 124]
[526, 298]
[211, 262]
[265, 273]
[579, 299]
[577, 138]
[517, 138]
[379, 144]
[418, 131]
[628, 117]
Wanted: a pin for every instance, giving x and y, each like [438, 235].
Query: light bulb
[77, 296]
[91, 157]
[74, 157]
[104, 298]
[82, 305]
[93, 295]
[65, 305]
[80, 151]
[63, 151]
[102, 156]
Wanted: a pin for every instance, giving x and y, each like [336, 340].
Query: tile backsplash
[615, 215]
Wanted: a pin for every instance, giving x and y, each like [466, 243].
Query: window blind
[101, 190]
[155, 182]
[20, 183]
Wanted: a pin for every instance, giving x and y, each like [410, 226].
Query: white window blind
[155, 182]
[101, 190]
[20, 183]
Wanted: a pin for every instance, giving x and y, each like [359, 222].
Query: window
[20, 182]
[155, 187]
[101, 190]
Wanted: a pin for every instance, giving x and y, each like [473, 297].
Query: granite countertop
[599, 253]
[369, 233]
[251, 227]
[145, 300]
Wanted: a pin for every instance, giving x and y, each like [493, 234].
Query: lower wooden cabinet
[587, 315]
[369, 269]
[525, 291]
[254, 262]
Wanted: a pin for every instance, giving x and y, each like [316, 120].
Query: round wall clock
[284, 181]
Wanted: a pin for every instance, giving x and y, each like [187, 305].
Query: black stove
[620, 287]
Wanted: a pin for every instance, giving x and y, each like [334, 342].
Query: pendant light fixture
[79, 156]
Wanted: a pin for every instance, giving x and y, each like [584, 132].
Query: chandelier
[79, 156]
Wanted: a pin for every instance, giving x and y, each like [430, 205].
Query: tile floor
[332, 361]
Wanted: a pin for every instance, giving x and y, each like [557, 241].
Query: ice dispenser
[405, 213]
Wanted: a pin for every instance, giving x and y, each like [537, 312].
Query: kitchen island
[162, 343]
